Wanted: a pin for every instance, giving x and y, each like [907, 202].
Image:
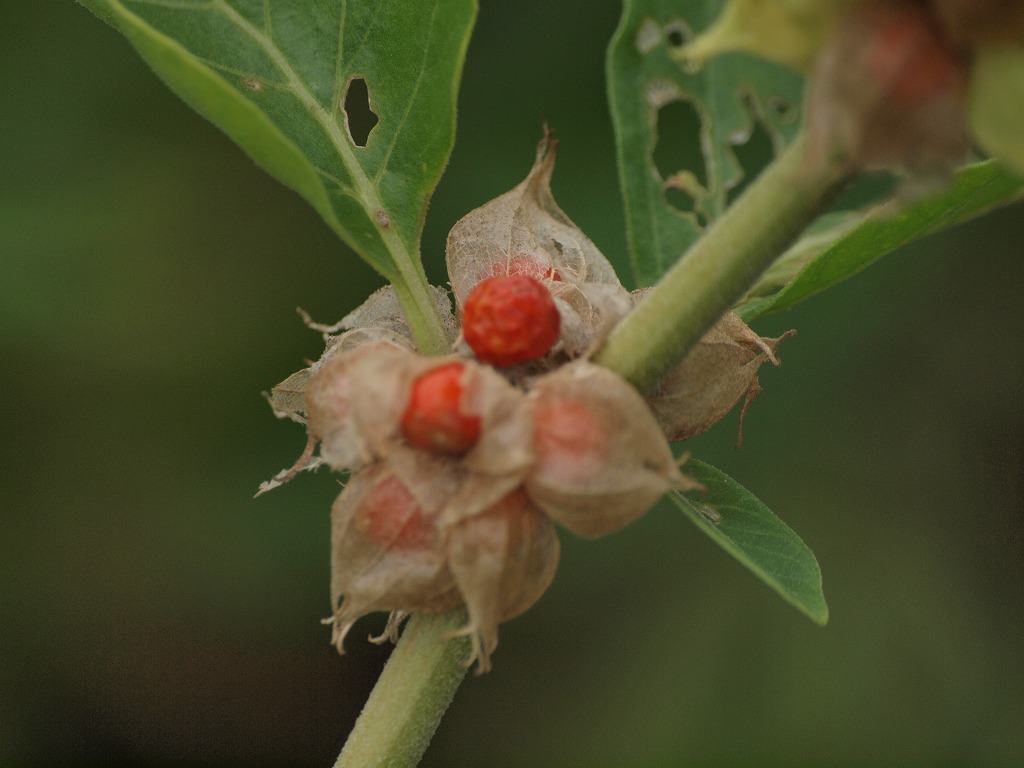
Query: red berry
[509, 320]
[435, 419]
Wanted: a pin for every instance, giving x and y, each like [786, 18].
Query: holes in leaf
[676, 34]
[683, 201]
[784, 109]
[678, 142]
[360, 118]
[753, 155]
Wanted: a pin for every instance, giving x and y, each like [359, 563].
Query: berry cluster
[458, 476]
[461, 465]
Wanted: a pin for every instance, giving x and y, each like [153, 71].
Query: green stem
[411, 695]
[720, 267]
[421, 312]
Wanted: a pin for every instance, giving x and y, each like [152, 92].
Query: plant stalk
[417, 301]
[716, 272]
[411, 695]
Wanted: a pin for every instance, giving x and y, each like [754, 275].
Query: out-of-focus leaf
[996, 108]
[275, 75]
[667, 210]
[787, 31]
[847, 243]
[747, 529]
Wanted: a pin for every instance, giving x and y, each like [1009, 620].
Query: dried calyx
[461, 465]
[524, 232]
[890, 88]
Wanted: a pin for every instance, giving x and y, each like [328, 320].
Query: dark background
[155, 614]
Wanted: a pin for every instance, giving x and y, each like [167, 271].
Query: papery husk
[602, 459]
[983, 23]
[379, 318]
[403, 558]
[355, 400]
[525, 232]
[850, 114]
[288, 399]
[463, 487]
[339, 344]
[525, 220]
[503, 560]
[370, 575]
[714, 376]
[382, 310]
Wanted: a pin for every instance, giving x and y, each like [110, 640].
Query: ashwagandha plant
[550, 394]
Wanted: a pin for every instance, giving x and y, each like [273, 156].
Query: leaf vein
[365, 192]
[412, 98]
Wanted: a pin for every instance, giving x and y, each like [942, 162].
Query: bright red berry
[509, 320]
[435, 419]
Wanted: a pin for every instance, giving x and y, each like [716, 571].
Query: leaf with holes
[350, 104]
[747, 530]
[844, 244]
[668, 207]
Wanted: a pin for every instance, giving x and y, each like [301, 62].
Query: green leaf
[843, 245]
[787, 31]
[748, 531]
[666, 211]
[274, 75]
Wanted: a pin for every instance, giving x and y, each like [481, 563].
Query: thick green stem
[721, 266]
[412, 693]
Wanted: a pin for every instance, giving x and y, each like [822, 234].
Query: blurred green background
[155, 614]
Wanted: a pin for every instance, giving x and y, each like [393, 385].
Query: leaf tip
[819, 614]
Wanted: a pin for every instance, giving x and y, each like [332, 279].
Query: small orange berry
[435, 419]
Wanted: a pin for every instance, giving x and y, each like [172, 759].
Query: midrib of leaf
[365, 188]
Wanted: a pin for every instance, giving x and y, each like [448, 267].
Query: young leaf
[850, 242]
[350, 104]
[747, 530]
[668, 208]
